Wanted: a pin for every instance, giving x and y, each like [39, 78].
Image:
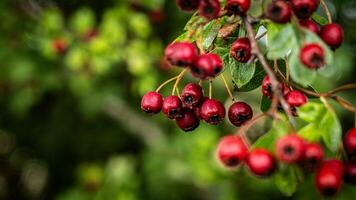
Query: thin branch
[210, 89]
[179, 78]
[227, 87]
[165, 83]
[351, 86]
[327, 11]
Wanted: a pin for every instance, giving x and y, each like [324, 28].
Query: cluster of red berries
[232, 151]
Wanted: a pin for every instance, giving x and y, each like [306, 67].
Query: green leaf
[310, 132]
[241, 73]
[286, 180]
[210, 32]
[256, 81]
[265, 104]
[319, 19]
[281, 39]
[331, 130]
[266, 141]
[311, 111]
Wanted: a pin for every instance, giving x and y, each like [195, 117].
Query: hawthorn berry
[279, 12]
[350, 173]
[261, 163]
[237, 7]
[296, 98]
[181, 54]
[209, 9]
[241, 50]
[239, 113]
[59, 46]
[312, 56]
[304, 8]
[192, 95]
[172, 107]
[310, 25]
[313, 156]
[188, 5]
[151, 102]
[290, 149]
[212, 111]
[207, 66]
[329, 177]
[267, 88]
[333, 35]
[189, 121]
[231, 151]
[350, 142]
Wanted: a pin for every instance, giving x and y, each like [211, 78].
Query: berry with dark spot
[267, 88]
[212, 111]
[192, 95]
[209, 9]
[241, 50]
[237, 7]
[188, 122]
[172, 107]
[239, 113]
[304, 8]
[207, 66]
[60, 46]
[188, 5]
[151, 103]
[313, 156]
[312, 56]
[181, 54]
[328, 179]
[290, 149]
[261, 163]
[279, 12]
[231, 151]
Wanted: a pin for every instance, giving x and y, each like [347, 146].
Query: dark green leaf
[210, 32]
[241, 73]
[255, 82]
[265, 104]
[286, 180]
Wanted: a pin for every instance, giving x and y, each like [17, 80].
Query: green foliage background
[70, 124]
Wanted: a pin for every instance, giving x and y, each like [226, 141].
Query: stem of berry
[210, 89]
[179, 78]
[275, 84]
[327, 11]
[227, 87]
[165, 83]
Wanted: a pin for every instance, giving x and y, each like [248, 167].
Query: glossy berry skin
[151, 103]
[267, 88]
[237, 7]
[310, 25]
[261, 163]
[329, 177]
[241, 50]
[239, 113]
[231, 151]
[188, 5]
[296, 98]
[350, 173]
[350, 142]
[181, 54]
[279, 12]
[313, 156]
[207, 66]
[290, 149]
[172, 107]
[209, 9]
[192, 95]
[333, 35]
[188, 122]
[304, 8]
[312, 56]
[212, 111]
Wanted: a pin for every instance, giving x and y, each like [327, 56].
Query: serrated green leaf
[241, 73]
[331, 130]
[210, 32]
[256, 80]
[286, 180]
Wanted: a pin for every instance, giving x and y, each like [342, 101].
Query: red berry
[181, 54]
[279, 12]
[290, 149]
[328, 178]
[188, 122]
[350, 142]
[241, 50]
[311, 25]
[237, 7]
[59, 46]
[209, 9]
[172, 107]
[350, 173]
[313, 156]
[232, 151]
[188, 5]
[239, 113]
[207, 66]
[151, 102]
[267, 88]
[296, 98]
[192, 95]
[333, 35]
[312, 56]
[304, 8]
[261, 163]
[212, 111]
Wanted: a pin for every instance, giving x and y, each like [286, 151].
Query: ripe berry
[237, 7]
[188, 122]
[241, 50]
[209, 9]
[212, 111]
[239, 113]
[350, 142]
[172, 107]
[261, 163]
[181, 54]
[231, 151]
[313, 156]
[279, 12]
[192, 95]
[350, 173]
[59, 46]
[188, 5]
[311, 25]
[312, 56]
[328, 178]
[304, 8]
[290, 149]
[207, 66]
[267, 88]
[333, 35]
[296, 98]
[151, 103]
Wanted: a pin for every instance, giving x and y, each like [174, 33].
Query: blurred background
[72, 74]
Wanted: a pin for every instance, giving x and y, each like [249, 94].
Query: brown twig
[179, 78]
[227, 87]
[243, 130]
[327, 11]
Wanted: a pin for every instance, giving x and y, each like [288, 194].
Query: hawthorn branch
[276, 87]
[327, 11]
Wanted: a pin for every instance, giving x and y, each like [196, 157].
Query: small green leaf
[281, 39]
[266, 141]
[311, 111]
[241, 73]
[286, 180]
[319, 19]
[210, 32]
[265, 104]
[331, 130]
[256, 81]
[310, 132]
